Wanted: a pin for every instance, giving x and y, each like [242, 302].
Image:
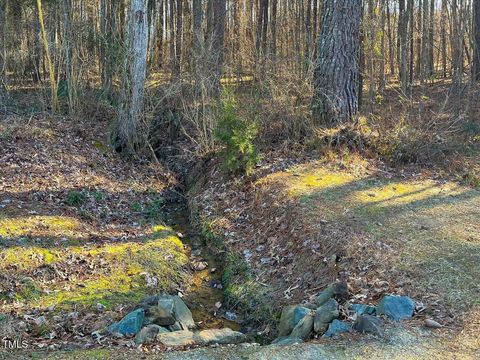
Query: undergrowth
[237, 134]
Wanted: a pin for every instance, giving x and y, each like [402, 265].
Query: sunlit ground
[433, 227]
[54, 264]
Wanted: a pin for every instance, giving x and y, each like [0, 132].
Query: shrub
[237, 135]
[75, 198]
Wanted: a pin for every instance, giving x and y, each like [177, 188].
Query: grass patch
[243, 293]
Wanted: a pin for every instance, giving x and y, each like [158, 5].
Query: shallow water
[202, 296]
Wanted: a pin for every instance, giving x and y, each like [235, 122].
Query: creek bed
[202, 296]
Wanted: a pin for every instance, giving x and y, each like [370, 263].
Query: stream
[205, 293]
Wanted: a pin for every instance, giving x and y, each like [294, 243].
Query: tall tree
[3, 48]
[476, 40]
[53, 80]
[130, 131]
[217, 41]
[337, 66]
[402, 44]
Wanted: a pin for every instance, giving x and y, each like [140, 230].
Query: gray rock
[368, 324]
[176, 327]
[130, 324]
[162, 314]
[303, 329]
[286, 341]
[337, 291]
[149, 333]
[219, 336]
[291, 316]
[177, 338]
[432, 324]
[337, 327]
[151, 300]
[362, 309]
[159, 316]
[324, 316]
[396, 307]
[182, 313]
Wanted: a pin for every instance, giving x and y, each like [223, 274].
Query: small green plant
[97, 195]
[137, 207]
[75, 198]
[153, 210]
[237, 135]
[472, 179]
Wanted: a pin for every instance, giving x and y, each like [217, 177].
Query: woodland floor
[80, 226]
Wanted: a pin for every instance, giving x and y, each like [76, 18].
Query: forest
[239, 179]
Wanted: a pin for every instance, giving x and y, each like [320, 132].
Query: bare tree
[402, 44]
[337, 66]
[130, 134]
[53, 79]
[3, 48]
[476, 40]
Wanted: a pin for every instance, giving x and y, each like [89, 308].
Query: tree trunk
[3, 28]
[382, 80]
[53, 80]
[410, 6]
[160, 34]
[431, 37]
[443, 37]
[476, 40]
[403, 44]
[273, 27]
[219, 14]
[130, 134]
[457, 47]
[337, 68]
[391, 47]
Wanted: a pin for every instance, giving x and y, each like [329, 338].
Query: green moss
[27, 258]
[121, 274]
[243, 293]
[28, 289]
[33, 225]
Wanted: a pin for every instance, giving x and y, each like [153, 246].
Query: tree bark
[3, 27]
[53, 80]
[476, 40]
[337, 67]
[402, 44]
[219, 14]
[130, 135]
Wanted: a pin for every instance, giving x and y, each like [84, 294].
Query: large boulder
[368, 324]
[396, 307]
[303, 329]
[130, 325]
[291, 316]
[337, 327]
[219, 336]
[338, 291]
[325, 315]
[177, 338]
[149, 334]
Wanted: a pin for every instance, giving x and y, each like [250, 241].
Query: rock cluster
[297, 323]
[166, 319]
